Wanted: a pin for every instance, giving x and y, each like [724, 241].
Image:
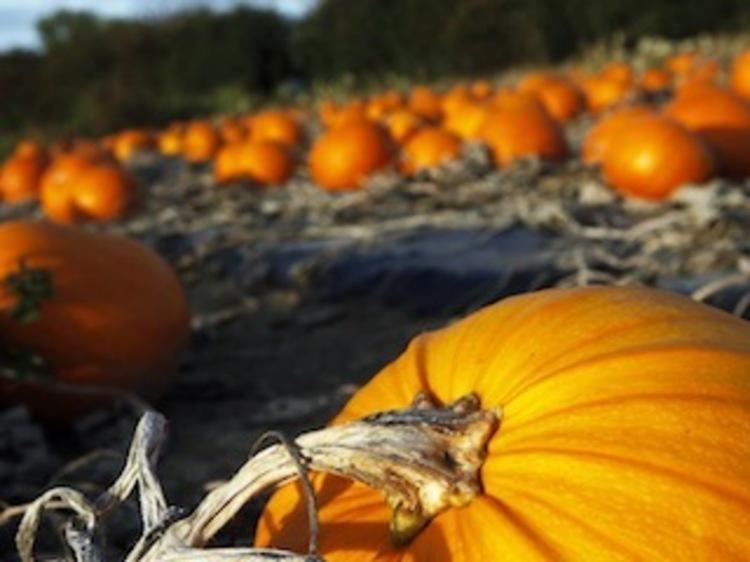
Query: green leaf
[31, 286]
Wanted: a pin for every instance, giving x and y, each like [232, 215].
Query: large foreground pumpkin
[117, 316]
[624, 436]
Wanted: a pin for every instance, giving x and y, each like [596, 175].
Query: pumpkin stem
[31, 286]
[424, 459]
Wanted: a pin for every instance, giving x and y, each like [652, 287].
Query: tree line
[94, 75]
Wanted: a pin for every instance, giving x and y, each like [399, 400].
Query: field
[299, 295]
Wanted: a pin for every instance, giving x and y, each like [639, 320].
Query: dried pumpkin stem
[424, 459]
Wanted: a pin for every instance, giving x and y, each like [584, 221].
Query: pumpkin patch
[530, 222]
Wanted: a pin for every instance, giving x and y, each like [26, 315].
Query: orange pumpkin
[598, 138]
[275, 126]
[31, 148]
[334, 116]
[232, 130]
[560, 97]
[264, 162]
[430, 148]
[117, 317]
[722, 119]
[103, 192]
[200, 142]
[466, 121]
[91, 149]
[402, 124]
[740, 75]
[425, 102]
[680, 64]
[454, 99]
[226, 164]
[656, 80]
[342, 158]
[127, 143]
[20, 177]
[481, 89]
[393, 99]
[652, 156]
[619, 71]
[508, 99]
[57, 183]
[515, 134]
[603, 92]
[78, 189]
[381, 105]
[706, 69]
[625, 412]
[170, 141]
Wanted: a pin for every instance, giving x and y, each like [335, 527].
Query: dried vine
[397, 452]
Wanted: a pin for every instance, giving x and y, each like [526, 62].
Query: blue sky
[17, 17]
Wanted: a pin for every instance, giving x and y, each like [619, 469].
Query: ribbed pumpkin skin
[118, 317]
[624, 437]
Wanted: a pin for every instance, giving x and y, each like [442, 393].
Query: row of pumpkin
[644, 150]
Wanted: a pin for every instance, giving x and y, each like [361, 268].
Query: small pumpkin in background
[103, 192]
[115, 317]
[655, 80]
[169, 141]
[481, 89]
[430, 148]
[467, 120]
[264, 162]
[232, 130]
[600, 135]
[30, 148]
[226, 163]
[334, 116]
[619, 71]
[425, 102]
[128, 143]
[402, 124]
[515, 134]
[77, 189]
[722, 119]
[652, 156]
[55, 192]
[91, 149]
[454, 99]
[609, 448]
[705, 71]
[603, 92]
[20, 177]
[379, 106]
[679, 64]
[342, 158]
[200, 141]
[740, 75]
[561, 98]
[508, 99]
[275, 126]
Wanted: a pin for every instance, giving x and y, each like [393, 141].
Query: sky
[18, 17]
